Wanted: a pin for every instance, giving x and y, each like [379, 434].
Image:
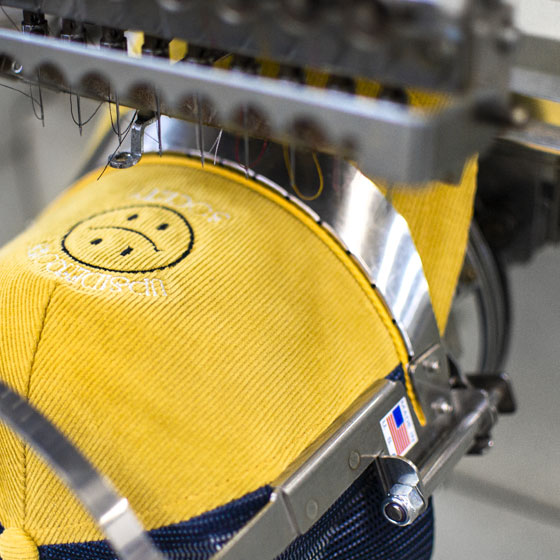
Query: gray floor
[501, 506]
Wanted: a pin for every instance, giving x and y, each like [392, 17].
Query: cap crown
[191, 331]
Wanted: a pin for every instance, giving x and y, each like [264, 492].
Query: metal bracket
[123, 160]
[409, 485]
[430, 376]
[401, 144]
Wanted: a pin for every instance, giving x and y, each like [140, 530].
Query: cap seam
[26, 395]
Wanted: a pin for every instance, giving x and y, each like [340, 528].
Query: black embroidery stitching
[177, 261]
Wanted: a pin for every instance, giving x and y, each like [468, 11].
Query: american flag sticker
[398, 429]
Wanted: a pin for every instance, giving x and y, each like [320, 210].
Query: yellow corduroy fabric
[439, 218]
[15, 544]
[244, 333]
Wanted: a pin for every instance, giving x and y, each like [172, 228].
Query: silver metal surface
[122, 160]
[319, 477]
[444, 44]
[536, 72]
[111, 511]
[386, 139]
[474, 413]
[537, 135]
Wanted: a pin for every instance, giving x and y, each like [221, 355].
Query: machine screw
[431, 366]
[507, 39]
[519, 116]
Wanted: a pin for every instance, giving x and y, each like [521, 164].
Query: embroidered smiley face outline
[81, 240]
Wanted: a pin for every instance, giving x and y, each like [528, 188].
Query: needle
[41, 104]
[79, 108]
[216, 145]
[293, 166]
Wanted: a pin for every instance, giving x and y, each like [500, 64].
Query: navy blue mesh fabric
[397, 375]
[353, 529]
[196, 539]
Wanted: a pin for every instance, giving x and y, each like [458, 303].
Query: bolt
[519, 116]
[441, 406]
[507, 39]
[312, 509]
[431, 366]
[354, 460]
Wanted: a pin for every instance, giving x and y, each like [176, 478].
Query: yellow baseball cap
[192, 332]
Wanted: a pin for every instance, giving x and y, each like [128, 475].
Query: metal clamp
[475, 411]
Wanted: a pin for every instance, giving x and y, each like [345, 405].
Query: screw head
[432, 366]
[441, 406]
[519, 116]
[354, 460]
[312, 509]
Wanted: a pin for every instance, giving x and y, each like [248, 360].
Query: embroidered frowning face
[140, 238]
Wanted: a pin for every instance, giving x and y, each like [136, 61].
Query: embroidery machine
[330, 78]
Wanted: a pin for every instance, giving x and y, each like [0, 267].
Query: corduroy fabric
[193, 384]
[15, 544]
[439, 218]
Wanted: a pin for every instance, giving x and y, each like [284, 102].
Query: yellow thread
[293, 179]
